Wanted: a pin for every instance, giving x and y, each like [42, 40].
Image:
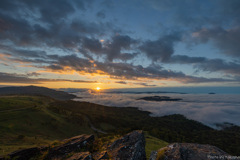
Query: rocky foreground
[128, 147]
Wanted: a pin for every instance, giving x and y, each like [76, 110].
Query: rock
[2, 158]
[81, 156]
[74, 144]
[25, 154]
[189, 151]
[153, 155]
[129, 147]
[100, 155]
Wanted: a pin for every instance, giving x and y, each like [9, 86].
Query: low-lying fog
[206, 108]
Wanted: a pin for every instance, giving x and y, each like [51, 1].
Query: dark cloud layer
[57, 35]
[161, 49]
[226, 40]
[16, 78]
[111, 49]
[209, 65]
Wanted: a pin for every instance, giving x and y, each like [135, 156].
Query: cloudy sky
[119, 44]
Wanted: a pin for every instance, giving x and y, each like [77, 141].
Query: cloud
[101, 14]
[124, 71]
[198, 14]
[204, 108]
[119, 42]
[112, 49]
[20, 78]
[208, 65]
[35, 74]
[224, 39]
[60, 38]
[161, 49]
[121, 82]
[183, 59]
[145, 84]
[142, 84]
[220, 65]
[46, 26]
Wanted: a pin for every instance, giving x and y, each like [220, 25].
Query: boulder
[100, 155]
[2, 158]
[189, 151]
[74, 144]
[25, 154]
[129, 147]
[81, 156]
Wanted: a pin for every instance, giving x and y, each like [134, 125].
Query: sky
[119, 44]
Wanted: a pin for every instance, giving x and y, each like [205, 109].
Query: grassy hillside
[34, 120]
[173, 128]
[153, 144]
[26, 121]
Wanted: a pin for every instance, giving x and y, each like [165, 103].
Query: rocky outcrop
[81, 156]
[129, 147]
[189, 151]
[100, 155]
[74, 144]
[24, 154]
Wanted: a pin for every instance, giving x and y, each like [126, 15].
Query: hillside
[27, 121]
[34, 90]
[132, 146]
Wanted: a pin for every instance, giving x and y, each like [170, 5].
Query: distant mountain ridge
[34, 90]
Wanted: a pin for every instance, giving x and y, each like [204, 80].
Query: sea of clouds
[210, 109]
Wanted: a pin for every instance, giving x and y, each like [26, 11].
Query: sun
[98, 88]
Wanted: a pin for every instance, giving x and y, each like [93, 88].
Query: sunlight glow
[98, 88]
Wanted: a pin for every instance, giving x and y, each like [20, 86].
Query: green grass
[153, 144]
[19, 102]
[34, 120]
[172, 128]
[26, 121]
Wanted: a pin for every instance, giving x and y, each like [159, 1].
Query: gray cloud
[29, 28]
[121, 82]
[27, 53]
[44, 25]
[119, 42]
[183, 59]
[209, 65]
[141, 83]
[15, 78]
[161, 49]
[225, 39]
[198, 14]
[112, 49]
[145, 84]
[20, 78]
[35, 74]
[220, 65]
[101, 14]
[127, 71]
